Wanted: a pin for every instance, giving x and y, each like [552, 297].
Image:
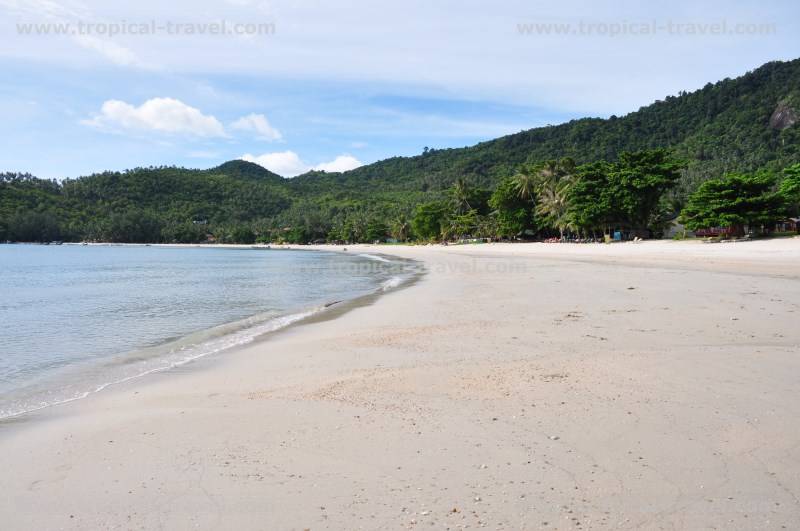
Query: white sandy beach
[529, 386]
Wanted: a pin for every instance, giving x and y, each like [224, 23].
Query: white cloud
[119, 55]
[340, 163]
[48, 8]
[480, 53]
[166, 115]
[285, 163]
[73, 12]
[257, 123]
[289, 163]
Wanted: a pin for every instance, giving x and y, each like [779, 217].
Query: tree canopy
[734, 201]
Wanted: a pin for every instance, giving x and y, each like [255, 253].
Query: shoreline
[566, 390]
[274, 324]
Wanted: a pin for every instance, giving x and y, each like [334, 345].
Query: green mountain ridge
[744, 124]
[722, 127]
[244, 170]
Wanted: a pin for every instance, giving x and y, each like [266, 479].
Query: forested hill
[722, 127]
[743, 124]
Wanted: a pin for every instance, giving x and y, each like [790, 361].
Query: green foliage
[236, 234]
[790, 186]
[461, 225]
[429, 220]
[376, 231]
[592, 199]
[720, 128]
[493, 188]
[460, 196]
[626, 194]
[524, 182]
[183, 232]
[734, 201]
[143, 205]
[400, 228]
[177, 205]
[31, 226]
[132, 226]
[639, 181]
[513, 214]
[29, 209]
[553, 181]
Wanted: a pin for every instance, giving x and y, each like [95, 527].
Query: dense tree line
[583, 178]
[551, 199]
[559, 198]
[738, 201]
[142, 205]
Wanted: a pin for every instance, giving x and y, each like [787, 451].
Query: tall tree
[524, 182]
[400, 228]
[514, 214]
[429, 219]
[790, 186]
[461, 196]
[734, 201]
[640, 180]
[553, 182]
[592, 206]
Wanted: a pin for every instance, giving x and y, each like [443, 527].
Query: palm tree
[400, 228]
[553, 182]
[553, 204]
[356, 226]
[461, 226]
[461, 196]
[525, 183]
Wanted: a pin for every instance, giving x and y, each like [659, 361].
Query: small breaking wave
[151, 360]
[376, 257]
[80, 380]
[392, 283]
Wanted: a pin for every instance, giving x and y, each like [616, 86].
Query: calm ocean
[76, 319]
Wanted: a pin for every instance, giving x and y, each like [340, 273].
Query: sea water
[75, 319]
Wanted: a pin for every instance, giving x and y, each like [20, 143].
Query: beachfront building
[788, 225]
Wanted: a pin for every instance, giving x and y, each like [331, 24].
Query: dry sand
[649, 386]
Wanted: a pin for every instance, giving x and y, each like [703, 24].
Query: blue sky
[330, 85]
